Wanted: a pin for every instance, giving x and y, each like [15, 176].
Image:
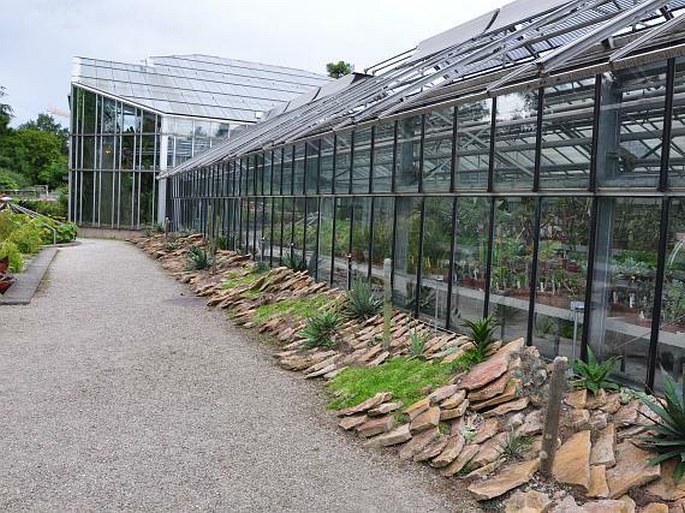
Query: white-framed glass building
[529, 163]
[131, 121]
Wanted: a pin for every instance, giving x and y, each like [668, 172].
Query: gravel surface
[118, 392]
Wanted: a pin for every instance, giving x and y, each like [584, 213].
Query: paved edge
[23, 290]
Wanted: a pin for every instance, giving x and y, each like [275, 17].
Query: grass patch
[234, 279]
[404, 377]
[300, 308]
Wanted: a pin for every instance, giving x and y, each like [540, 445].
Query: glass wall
[116, 152]
[560, 210]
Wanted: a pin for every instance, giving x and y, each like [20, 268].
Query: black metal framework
[487, 249]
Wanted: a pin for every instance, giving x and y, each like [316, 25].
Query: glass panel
[382, 157]
[310, 235]
[512, 255]
[362, 160]
[342, 163]
[126, 216]
[406, 251]
[437, 159]
[561, 276]
[382, 233]
[267, 172]
[567, 125]
[88, 152]
[677, 154]
[131, 123]
[147, 152]
[107, 199]
[89, 113]
[298, 176]
[127, 145]
[436, 259]
[326, 173]
[149, 122]
[670, 351]
[361, 237]
[515, 129]
[623, 283]
[326, 238]
[86, 200]
[470, 258]
[473, 145]
[107, 155]
[312, 167]
[631, 124]
[146, 195]
[343, 215]
[408, 154]
[277, 171]
[110, 123]
[288, 170]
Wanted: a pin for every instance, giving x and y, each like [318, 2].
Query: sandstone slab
[487, 430]
[484, 373]
[370, 403]
[528, 502]
[426, 420]
[454, 413]
[454, 400]
[631, 470]
[397, 436]
[463, 460]
[627, 414]
[490, 450]
[507, 479]
[572, 461]
[442, 393]
[433, 449]
[418, 443]
[655, 507]
[417, 408]
[598, 487]
[664, 487]
[491, 390]
[450, 452]
[349, 423]
[375, 426]
[576, 399]
[532, 425]
[503, 409]
[603, 448]
[384, 409]
[508, 394]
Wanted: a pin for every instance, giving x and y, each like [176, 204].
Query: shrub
[260, 267]
[198, 258]
[321, 328]
[480, 333]
[16, 260]
[221, 242]
[294, 261]
[667, 435]
[594, 375]
[361, 302]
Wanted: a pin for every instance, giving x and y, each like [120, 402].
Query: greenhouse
[130, 121]
[529, 163]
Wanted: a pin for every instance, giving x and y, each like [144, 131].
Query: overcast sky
[39, 37]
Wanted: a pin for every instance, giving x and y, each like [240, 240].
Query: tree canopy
[338, 69]
[35, 153]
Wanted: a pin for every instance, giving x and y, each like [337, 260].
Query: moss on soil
[403, 377]
[299, 308]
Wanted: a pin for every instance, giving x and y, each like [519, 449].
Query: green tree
[338, 69]
[5, 112]
[46, 123]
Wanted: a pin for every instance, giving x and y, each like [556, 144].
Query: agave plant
[667, 435]
[481, 333]
[321, 329]
[294, 261]
[198, 258]
[361, 302]
[594, 375]
[417, 343]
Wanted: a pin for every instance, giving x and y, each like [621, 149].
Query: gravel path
[120, 393]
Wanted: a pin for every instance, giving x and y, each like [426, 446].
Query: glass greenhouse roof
[522, 45]
[198, 85]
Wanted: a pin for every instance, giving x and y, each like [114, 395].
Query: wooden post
[550, 432]
[387, 301]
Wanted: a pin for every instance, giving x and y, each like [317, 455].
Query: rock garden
[521, 433]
